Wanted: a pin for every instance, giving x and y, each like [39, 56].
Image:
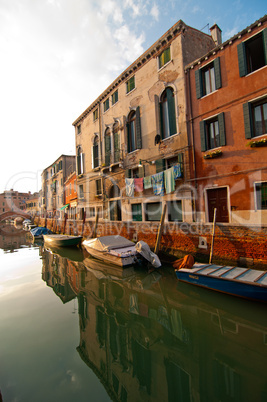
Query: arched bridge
[14, 214]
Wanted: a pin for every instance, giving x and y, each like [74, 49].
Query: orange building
[227, 126]
[71, 196]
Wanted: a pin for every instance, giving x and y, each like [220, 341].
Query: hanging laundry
[129, 187]
[158, 183]
[177, 171]
[169, 180]
[139, 184]
[147, 182]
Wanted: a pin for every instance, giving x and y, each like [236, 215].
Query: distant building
[71, 197]
[33, 205]
[53, 179]
[227, 124]
[11, 200]
[137, 128]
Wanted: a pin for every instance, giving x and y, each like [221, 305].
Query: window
[107, 138]
[80, 162]
[175, 211]
[81, 193]
[134, 130]
[252, 54]
[95, 114]
[114, 97]
[153, 211]
[106, 105]
[116, 142]
[130, 84]
[165, 57]
[96, 152]
[212, 133]
[91, 212]
[79, 129]
[98, 187]
[261, 195]
[208, 78]
[255, 118]
[167, 113]
[137, 212]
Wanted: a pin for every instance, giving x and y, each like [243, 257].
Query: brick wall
[242, 245]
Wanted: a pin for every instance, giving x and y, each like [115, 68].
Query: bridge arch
[13, 214]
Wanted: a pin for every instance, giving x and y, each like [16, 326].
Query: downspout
[192, 139]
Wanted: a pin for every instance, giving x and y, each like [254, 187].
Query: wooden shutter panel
[157, 114]
[160, 165]
[248, 120]
[202, 127]
[128, 173]
[199, 86]
[138, 129]
[222, 129]
[217, 70]
[171, 111]
[141, 171]
[241, 53]
[128, 137]
[264, 38]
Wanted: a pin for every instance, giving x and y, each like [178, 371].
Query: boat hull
[247, 290]
[62, 240]
[112, 259]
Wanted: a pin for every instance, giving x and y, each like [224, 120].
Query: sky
[58, 56]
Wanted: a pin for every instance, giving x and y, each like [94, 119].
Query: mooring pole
[160, 230]
[96, 222]
[213, 234]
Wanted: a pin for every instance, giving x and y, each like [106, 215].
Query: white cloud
[155, 12]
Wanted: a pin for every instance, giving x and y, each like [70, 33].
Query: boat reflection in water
[147, 337]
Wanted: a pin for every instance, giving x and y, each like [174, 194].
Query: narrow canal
[73, 329]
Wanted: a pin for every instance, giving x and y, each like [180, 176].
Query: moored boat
[237, 281]
[39, 231]
[59, 240]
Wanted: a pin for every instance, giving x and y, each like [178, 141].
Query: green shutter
[264, 38]
[202, 127]
[141, 171]
[241, 53]
[157, 114]
[128, 137]
[160, 165]
[248, 124]
[222, 129]
[128, 173]
[199, 87]
[138, 129]
[171, 111]
[217, 70]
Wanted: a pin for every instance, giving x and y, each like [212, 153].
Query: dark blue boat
[242, 282]
[38, 232]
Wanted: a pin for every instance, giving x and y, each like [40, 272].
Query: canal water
[74, 329]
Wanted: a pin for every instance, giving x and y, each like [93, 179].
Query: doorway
[218, 198]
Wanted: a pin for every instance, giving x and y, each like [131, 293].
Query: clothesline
[159, 182]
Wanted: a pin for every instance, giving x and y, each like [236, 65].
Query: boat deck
[228, 272]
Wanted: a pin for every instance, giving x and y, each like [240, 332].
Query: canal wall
[233, 244]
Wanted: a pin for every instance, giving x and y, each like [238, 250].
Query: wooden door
[217, 198]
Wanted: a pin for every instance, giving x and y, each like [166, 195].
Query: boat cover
[144, 249]
[38, 231]
[107, 243]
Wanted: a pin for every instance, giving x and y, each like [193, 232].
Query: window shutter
[82, 163]
[141, 171]
[264, 38]
[128, 173]
[199, 87]
[78, 164]
[171, 111]
[160, 165]
[202, 127]
[241, 53]
[222, 129]
[248, 120]
[157, 114]
[128, 137]
[138, 129]
[217, 70]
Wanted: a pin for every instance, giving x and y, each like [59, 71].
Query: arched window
[79, 161]
[134, 130]
[167, 113]
[96, 152]
[107, 146]
[116, 141]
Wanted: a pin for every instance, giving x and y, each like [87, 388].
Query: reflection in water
[12, 237]
[148, 337]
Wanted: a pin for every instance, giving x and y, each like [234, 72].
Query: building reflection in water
[148, 337]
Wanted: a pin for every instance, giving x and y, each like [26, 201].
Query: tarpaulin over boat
[106, 243]
[38, 231]
[143, 249]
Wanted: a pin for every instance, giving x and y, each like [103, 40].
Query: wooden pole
[160, 229]
[213, 235]
[96, 222]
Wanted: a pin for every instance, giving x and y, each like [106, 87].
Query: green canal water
[74, 329]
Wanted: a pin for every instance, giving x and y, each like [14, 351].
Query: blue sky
[57, 56]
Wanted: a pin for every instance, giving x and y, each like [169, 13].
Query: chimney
[216, 34]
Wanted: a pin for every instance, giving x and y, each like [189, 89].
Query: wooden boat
[39, 231]
[112, 249]
[59, 240]
[237, 281]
